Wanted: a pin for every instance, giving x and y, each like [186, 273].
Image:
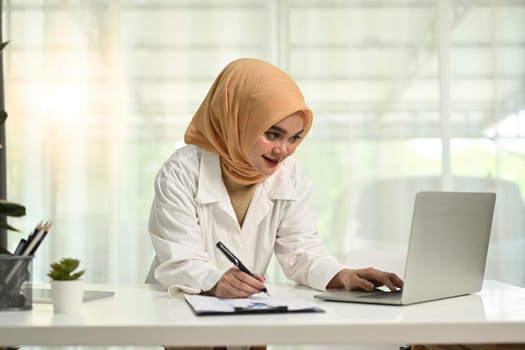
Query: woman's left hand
[365, 279]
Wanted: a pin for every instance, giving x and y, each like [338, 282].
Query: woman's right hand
[236, 284]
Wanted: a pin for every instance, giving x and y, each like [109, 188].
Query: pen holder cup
[16, 275]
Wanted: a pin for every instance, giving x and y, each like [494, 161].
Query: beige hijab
[246, 99]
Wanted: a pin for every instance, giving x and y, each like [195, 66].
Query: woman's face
[277, 143]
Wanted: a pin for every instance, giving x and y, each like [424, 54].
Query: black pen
[22, 244]
[236, 262]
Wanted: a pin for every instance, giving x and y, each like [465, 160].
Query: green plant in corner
[64, 270]
[8, 208]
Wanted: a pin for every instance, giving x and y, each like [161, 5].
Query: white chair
[380, 214]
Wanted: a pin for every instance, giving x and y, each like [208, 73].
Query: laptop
[43, 295]
[447, 250]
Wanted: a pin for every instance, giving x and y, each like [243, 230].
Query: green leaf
[77, 275]
[11, 209]
[7, 226]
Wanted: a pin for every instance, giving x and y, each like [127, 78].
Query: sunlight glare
[512, 126]
[64, 102]
[427, 147]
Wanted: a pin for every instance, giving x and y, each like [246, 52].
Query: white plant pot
[67, 296]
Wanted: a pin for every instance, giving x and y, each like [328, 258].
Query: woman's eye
[272, 135]
[296, 138]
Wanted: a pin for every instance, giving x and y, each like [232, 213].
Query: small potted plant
[67, 288]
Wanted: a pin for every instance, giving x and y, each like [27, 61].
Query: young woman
[235, 182]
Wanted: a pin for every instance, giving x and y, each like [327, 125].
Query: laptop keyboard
[383, 295]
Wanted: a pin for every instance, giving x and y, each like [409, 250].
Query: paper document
[259, 303]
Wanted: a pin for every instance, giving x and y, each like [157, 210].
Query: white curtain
[407, 95]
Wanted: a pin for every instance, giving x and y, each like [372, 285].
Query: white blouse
[192, 211]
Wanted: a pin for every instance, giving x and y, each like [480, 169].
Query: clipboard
[203, 305]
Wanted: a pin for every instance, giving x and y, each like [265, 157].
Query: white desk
[141, 315]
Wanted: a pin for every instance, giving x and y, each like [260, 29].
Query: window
[410, 94]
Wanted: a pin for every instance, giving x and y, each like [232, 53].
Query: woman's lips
[271, 162]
